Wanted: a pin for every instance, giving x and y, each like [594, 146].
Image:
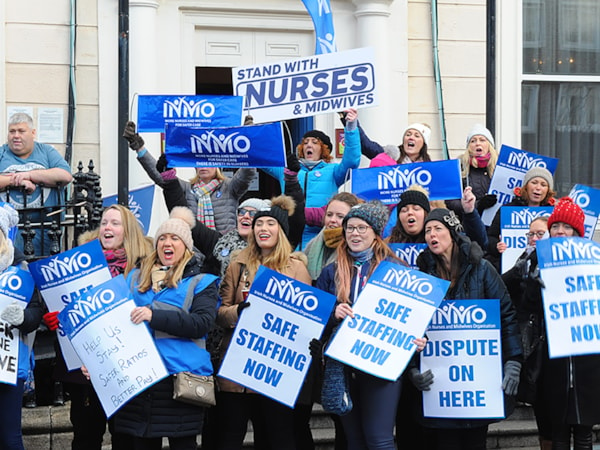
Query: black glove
[422, 381]
[161, 163]
[342, 115]
[241, 307]
[316, 348]
[487, 201]
[248, 120]
[535, 276]
[291, 161]
[135, 140]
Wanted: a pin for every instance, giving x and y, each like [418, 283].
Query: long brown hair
[345, 262]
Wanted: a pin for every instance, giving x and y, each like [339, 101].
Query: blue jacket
[179, 334]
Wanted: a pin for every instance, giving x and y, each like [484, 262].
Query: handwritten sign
[304, 87]
[269, 348]
[392, 310]
[570, 269]
[16, 285]
[64, 277]
[465, 355]
[120, 356]
[511, 167]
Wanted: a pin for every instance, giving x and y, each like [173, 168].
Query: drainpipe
[72, 85]
[490, 69]
[438, 78]
[123, 155]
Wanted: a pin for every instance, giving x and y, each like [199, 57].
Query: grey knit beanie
[541, 173]
[374, 213]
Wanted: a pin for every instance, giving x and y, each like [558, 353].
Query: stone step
[49, 427]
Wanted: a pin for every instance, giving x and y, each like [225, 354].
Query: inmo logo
[10, 280]
[181, 108]
[450, 313]
[574, 249]
[404, 279]
[581, 198]
[209, 142]
[286, 291]
[398, 177]
[524, 161]
[525, 216]
[58, 268]
[409, 254]
[87, 305]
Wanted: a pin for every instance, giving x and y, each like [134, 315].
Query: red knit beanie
[568, 212]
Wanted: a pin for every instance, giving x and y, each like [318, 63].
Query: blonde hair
[278, 259]
[466, 162]
[218, 175]
[345, 262]
[173, 275]
[137, 246]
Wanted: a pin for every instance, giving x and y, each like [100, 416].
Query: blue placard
[441, 179]
[511, 167]
[247, 146]
[464, 353]
[155, 112]
[408, 252]
[588, 199]
[570, 270]
[68, 266]
[16, 284]
[92, 304]
[514, 223]
[140, 204]
[292, 295]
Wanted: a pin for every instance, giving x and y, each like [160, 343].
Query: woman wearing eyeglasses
[370, 424]
[524, 289]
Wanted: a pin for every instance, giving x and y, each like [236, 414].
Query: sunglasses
[244, 211]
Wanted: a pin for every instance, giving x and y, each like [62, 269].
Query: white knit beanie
[480, 130]
[421, 128]
[180, 223]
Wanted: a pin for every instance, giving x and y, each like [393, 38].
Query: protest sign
[304, 87]
[155, 112]
[509, 172]
[247, 146]
[16, 286]
[392, 310]
[64, 277]
[464, 353]
[441, 179]
[588, 199]
[514, 223]
[139, 203]
[570, 269]
[408, 252]
[119, 355]
[268, 352]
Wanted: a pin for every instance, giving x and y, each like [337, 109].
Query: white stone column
[372, 30]
[143, 73]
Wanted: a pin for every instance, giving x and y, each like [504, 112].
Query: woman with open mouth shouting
[178, 302]
[269, 246]
[452, 256]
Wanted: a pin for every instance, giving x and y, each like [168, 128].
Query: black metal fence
[74, 209]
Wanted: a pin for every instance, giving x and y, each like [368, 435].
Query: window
[561, 87]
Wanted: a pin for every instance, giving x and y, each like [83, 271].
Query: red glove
[51, 320]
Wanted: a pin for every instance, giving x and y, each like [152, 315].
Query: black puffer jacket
[477, 280]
